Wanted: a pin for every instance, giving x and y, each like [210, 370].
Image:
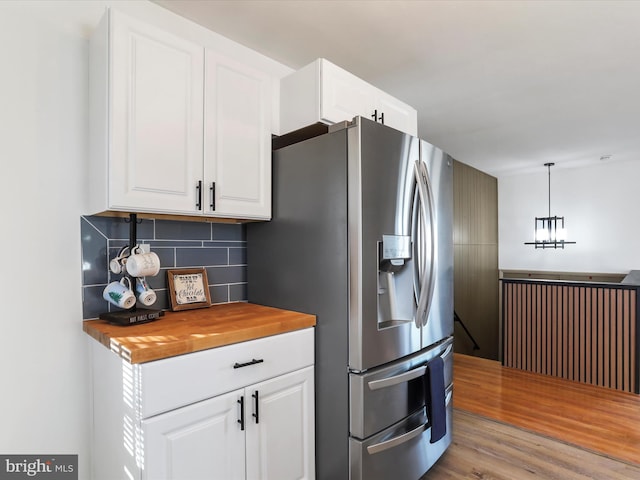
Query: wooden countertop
[190, 331]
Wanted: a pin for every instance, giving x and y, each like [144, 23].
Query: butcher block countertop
[190, 331]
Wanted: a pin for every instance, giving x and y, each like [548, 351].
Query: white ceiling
[504, 86]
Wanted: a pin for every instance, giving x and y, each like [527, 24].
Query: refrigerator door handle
[405, 437]
[426, 280]
[405, 376]
[399, 440]
[397, 379]
[447, 351]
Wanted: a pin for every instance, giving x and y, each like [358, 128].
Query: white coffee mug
[145, 294]
[120, 294]
[117, 264]
[142, 264]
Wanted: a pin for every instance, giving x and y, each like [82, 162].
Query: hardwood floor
[487, 449]
[595, 418]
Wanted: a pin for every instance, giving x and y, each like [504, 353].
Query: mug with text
[120, 294]
[141, 264]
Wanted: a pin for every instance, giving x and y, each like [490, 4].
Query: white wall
[600, 206]
[43, 117]
[44, 402]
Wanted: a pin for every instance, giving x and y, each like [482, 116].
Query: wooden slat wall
[582, 332]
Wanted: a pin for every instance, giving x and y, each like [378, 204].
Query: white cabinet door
[197, 442]
[156, 121]
[237, 157]
[280, 433]
[343, 95]
[397, 114]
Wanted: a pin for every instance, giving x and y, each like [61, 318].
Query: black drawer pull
[246, 364]
[257, 413]
[241, 421]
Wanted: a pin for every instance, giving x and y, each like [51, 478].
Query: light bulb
[542, 235]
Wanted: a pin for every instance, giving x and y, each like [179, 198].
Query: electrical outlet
[145, 247]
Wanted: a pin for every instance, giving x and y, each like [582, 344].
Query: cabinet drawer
[174, 382]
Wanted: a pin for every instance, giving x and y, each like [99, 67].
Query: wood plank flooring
[487, 449]
[595, 418]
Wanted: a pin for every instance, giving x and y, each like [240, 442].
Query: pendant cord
[549, 178]
[549, 165]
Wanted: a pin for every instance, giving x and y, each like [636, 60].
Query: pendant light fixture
[549, 231]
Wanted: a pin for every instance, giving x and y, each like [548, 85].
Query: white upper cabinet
[342, 94]
[323, 92]
[396, 114]
[237, 157]
[176, 128]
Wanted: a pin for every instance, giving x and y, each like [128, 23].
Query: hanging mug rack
[133, 315]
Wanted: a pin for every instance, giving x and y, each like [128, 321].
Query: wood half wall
[586, 332]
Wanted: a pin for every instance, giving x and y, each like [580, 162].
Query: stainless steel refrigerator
[361, 237]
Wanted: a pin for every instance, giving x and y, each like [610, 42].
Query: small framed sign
[188, 288]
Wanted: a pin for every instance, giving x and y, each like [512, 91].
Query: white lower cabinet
[280, 429]
[260, 432]
[198, 441]
[244, 411]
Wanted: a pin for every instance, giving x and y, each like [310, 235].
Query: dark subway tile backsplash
[94, 255]
[235, 232]
[227, 275]
[237, 292]
[183, 230]
[219, 293]
[237, 256]
[220, 248]
[118, 228]
[201, 257]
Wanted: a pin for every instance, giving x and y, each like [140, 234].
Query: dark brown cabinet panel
[475, 237]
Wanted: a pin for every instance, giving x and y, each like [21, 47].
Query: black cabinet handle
[382, 118]
[246, 364]
[374, 116]
[241, 421]
[256, 414]
[212, 189]
[199, 195]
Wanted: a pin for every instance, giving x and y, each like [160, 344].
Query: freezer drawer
[383, 396]
[401, 451]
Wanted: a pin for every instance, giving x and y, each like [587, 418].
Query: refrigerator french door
[396, 430]
[400, 245]
[361, 236]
